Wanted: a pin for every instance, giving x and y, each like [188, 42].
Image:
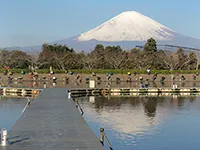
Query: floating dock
[52, 122]
[19, 92]
[132, 91]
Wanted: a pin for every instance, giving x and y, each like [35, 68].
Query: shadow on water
[16, 139]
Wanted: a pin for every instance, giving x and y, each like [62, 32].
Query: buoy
[71, 73]
[35, 92]
[103, 91]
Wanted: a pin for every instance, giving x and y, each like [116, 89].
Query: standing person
[162, 80]
[148, 71]
[141, 82]
[146, 83]
[154, 77]
[129, 77]
[174, 83]
[51, 70]
[182, 80]
[194, 77]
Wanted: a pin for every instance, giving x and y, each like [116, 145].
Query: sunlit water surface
[10, 111]
[146, 123]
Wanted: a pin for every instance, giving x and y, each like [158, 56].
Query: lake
[10, 111]
[132, 123]
[145, 123]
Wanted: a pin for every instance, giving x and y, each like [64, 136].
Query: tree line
[110, 57]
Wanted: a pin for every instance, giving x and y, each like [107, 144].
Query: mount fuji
[128, 26]
[127, 30]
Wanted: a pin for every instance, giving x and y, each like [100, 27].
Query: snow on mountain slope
[128, 26]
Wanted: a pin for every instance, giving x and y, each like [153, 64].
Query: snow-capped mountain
[128, 26]
[127, 30]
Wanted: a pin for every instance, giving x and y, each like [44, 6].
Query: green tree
[98, 54]
[150, 45]
[55, 55]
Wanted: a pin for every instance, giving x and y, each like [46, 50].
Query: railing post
[4, 137]
[102, 136]
[27, 104]
[78, 106]
[108, 142]
[69, 95]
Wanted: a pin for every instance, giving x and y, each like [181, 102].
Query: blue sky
[33, 22]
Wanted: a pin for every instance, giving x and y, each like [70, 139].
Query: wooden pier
[52, 122]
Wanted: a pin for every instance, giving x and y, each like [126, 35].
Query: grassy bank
[104, 71]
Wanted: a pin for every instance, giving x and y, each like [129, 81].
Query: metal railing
[103, 136]
[79, 106]
[27, 105]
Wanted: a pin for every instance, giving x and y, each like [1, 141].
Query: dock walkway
[52, 122]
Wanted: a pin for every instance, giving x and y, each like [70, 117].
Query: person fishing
[146, 84]
[174, 83]
[182, 79]
[148, 71]
[129, 77]
[154, 77]
[162, 80]
[194, 77]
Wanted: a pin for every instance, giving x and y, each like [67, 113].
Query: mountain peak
[129, 13]
[128, 26]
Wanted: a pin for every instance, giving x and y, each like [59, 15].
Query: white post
[4, 137]
[45, 85]
[92, 84]
[69, 95]
[54, 84]
[92, 99]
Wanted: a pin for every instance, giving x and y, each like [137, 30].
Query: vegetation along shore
[101, 60]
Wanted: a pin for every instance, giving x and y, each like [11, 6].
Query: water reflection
[131, 120]
[10, 111]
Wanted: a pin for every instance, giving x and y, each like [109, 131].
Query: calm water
[10, 111]
[146, 123]
[132, 123]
